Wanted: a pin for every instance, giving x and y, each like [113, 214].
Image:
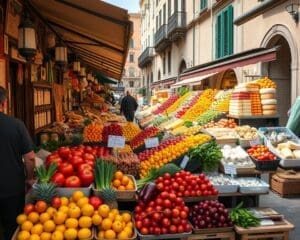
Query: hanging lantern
[82, 72]
[76, 66]
[61, 56]
[27, 40]
[89, 76]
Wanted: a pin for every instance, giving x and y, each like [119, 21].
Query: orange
[106, 224]
[126, 217]
[33, 217]
[70, 234]
[125, 180]
[116, 183]
[129, 186]
[21, 218]
[74, 212]
[37, 229]
[61, 228]
[104, 210]
[82, 201]
[109, 234]
[49, 226]
[117, 226]
[23, 235]
[64, 209]
[128, 230]
[57, 235]
[72, 204]
[123, 235]
[64, 201]
[121, 188]
[44, 217]
[26, 226]
[59, 217]
[87, 210]
[96, 219]
[111, 216]
[118, 175]
[50, 211]
[84, 233]
[85, 222]
[101, 235]
[40, 206]
[34, 237]
[77, 195]
[71, 223]
[45, 236]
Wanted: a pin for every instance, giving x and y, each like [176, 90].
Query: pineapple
[109, 196]
[44, 191]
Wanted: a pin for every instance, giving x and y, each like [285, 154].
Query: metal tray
[255, 189]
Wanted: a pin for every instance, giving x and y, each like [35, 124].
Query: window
[169, 8]
[158, 75]
[224, 32]
[131, 84]
[131, 57]
[131, 43]
[169, 62]
[131, 72]
[175, 5]
[164, 65]
[203, 4]
[164, 14]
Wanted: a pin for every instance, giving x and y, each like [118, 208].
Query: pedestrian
[128, 107]
[15, 175]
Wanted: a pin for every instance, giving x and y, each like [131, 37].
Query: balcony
[161, 40]
[146, 57]
[177, 26]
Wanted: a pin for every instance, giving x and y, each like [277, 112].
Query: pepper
[148, 192]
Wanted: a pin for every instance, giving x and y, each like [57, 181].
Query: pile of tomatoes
[185, 184]
[75, 165]
[166, 214]
[261, 153]
[139, 139]
[112, 129]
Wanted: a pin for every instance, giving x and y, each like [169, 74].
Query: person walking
[128, 107]
[15, 175]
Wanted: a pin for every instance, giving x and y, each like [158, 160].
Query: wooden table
[263, 232]
[213, 234]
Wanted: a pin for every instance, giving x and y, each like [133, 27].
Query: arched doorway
[228, 79]
[280, 72]
[182, 66]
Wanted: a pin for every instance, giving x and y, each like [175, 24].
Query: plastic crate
[266, 165]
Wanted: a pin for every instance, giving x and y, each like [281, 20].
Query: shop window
[203, 4]
[169, 62]
[131, 43]
[131, 84]
[131, 57]
[224, 32]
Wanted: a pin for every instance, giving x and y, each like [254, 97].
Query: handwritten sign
[254, 142]
[230, 169]
[184, 162]
[151, 142]
[116, 141]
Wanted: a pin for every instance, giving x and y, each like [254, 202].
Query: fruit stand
[181, 172]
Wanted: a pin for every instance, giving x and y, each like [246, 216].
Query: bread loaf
[269, 107]
[267, 90]
[269, 112]
[267, 96]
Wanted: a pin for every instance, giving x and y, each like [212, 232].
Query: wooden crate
[285, 187]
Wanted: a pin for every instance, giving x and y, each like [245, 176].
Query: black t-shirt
[14, 143]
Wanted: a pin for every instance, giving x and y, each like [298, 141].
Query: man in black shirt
[128, 107]
[15, 144]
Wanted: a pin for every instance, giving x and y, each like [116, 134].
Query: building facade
[180, 36]
[132, 74]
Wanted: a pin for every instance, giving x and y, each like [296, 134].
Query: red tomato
[78, 153]
[56, 202]
[88, 157]
[86, 177]
[84, 166]
[66, 169]
[58, 179]
[173, 229]
[76, 161]
[28, 208]
[175, 213]
[144, 231]
[73, 181]
[53, 158]
[88, 149]
[95, 202]
[64, 152]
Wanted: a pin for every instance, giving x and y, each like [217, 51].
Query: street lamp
[27, 40]
[292, 9]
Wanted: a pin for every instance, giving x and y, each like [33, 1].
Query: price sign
[254, 142]
[116, 141]
[230, 169]
[151, 142]
[184, 161]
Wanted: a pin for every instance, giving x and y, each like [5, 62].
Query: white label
[184, 162]
[151, 142]
[266, 222]
[254, 142]
[116, 141]
[230, 169]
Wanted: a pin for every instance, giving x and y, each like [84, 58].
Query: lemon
[84, 233]
[23, 235]
[71, 223]
[21, 218]
[85, 222]
[70, 234]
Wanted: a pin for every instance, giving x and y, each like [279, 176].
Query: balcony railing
[146, 57]
[177, 25]
[161, 40]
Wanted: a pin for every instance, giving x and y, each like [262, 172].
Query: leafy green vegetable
[183, 90]
[43, 174]
[104, 172]
[243, 217]
[209, 155]
[188, 124]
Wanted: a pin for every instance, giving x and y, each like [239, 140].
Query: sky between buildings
[131, 5]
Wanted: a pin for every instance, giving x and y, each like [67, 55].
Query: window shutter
[218, 36]
[203, 4]
[225, 32]
[230, 30]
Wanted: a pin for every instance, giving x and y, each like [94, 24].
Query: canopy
[103, 79]
[94, 30]
[192, 81]
[236, 60]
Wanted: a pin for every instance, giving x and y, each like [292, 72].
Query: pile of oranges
[171, 152]
[93, 133]
[130, 130]
[266, 83]
[122, 182]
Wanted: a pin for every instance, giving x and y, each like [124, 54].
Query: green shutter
[218, 36]
[230, 30]
[203, 4]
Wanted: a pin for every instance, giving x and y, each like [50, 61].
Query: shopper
[128, 107]
[15, 175]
